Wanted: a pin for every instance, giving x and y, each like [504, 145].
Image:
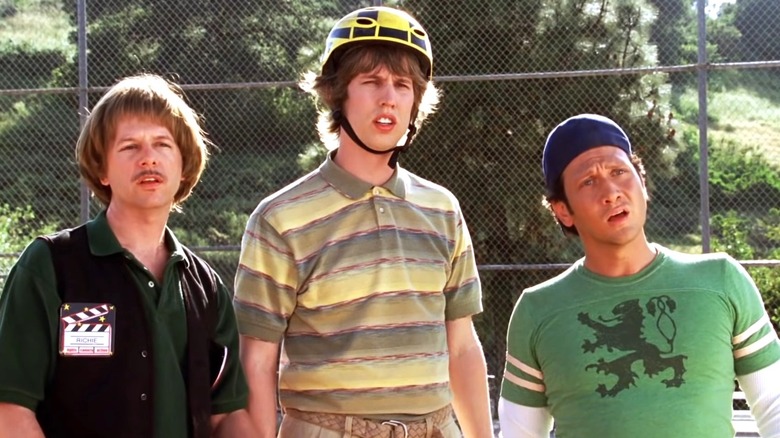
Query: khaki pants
[296, 428]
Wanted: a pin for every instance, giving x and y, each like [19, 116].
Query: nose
[612, 193]
[149, 157]
[389, 95]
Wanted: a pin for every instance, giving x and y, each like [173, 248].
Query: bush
[732, 234]
[17, 228]
[768, 282]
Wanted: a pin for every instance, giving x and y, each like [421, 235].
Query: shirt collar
[103, 241]
[353, 187]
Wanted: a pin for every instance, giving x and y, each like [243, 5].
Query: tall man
[361, 276]
[114, 328]
[634, 340]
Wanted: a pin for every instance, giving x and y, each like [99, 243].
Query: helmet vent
[381, 25]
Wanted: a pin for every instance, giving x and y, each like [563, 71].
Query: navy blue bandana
[574, 136]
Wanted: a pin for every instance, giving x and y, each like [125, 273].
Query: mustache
[147, 173]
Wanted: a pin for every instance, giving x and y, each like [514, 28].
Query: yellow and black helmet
[378, 24]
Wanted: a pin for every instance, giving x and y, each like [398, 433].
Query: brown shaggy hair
[149, 96]
[331, 88]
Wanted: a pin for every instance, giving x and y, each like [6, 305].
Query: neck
[368, 167]
[138, 230]
[619, 260]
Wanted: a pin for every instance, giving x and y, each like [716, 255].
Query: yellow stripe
[380, 278]
[366, 374]
[305, 210]
[386, 312]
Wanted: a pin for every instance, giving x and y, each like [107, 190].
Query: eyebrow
[155, 137]
[377, 75]
[609, 163]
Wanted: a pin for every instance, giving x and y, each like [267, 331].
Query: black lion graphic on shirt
[625, 332]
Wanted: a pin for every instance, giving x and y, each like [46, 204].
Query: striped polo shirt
[358, 282]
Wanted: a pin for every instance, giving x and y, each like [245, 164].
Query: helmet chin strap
[395, 152]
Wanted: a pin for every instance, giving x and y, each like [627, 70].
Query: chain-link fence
[695, 88]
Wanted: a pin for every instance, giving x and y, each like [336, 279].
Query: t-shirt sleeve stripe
[751, 330]
[519, 381]
[755, 346]
[524, 368]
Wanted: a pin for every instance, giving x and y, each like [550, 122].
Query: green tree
[256, 130]
[745, 238]
[757, 21]
[670, 31]
[724, 35]
[36, 130]
[17, 225]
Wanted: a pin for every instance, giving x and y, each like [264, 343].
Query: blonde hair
[149, 96]
[331, 89]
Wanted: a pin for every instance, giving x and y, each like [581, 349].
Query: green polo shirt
[29, 309]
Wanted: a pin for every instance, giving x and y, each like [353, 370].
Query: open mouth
[619, 215]
[385, 121]
[149, 178]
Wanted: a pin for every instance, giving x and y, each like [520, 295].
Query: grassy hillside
[744, 108]
[33, 26]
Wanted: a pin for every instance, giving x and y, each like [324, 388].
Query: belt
[364, 428]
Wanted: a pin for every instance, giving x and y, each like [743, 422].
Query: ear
[104, 181]
[562, 213]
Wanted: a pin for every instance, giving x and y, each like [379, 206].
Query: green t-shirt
[29, 324]
[648, 355]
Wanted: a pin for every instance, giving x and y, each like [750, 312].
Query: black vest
[113, 397]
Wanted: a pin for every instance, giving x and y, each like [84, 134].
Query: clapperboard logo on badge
[87, 329]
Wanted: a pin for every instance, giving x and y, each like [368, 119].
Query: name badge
[87, 329]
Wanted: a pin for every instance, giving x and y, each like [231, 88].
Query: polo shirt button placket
[144, 354]
[377, 191]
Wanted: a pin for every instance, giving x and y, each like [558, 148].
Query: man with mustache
[114, 328]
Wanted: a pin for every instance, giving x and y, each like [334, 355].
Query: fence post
[702, 69]
[81, 12]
